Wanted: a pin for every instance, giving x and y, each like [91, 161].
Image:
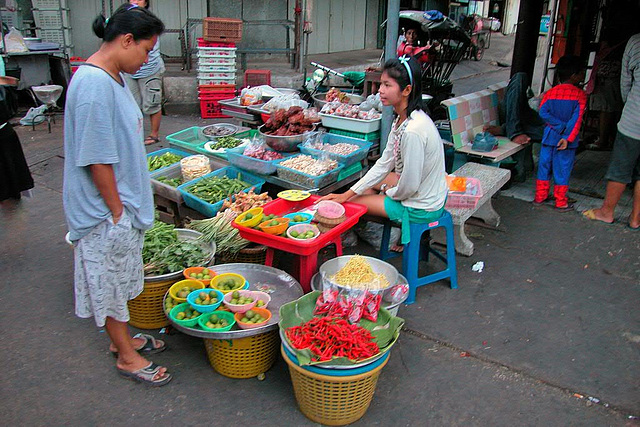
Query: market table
[247, 353]
[221, 162]
[306, 251]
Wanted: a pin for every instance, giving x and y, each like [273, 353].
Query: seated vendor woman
[408, 182]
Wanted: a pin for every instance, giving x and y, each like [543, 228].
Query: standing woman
[107, 192]
[408, 182]
[146, 85]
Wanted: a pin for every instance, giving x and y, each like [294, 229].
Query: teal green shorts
[404, 215]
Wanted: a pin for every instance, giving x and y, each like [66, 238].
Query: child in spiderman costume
[561, 108]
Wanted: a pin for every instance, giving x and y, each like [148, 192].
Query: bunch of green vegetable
[166, 159]
[219, 230]
[177, 256]
[162, 252]
[174, 182]
[225, 142]
[156, 239]
[215, 188]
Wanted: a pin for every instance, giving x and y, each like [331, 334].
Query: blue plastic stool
[413, 253]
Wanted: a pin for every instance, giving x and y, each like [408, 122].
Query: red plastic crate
[279, 207]
[222, 30]
[222, 88]
[203, 43]
[257, 77]
[215, 96]
[211, 109]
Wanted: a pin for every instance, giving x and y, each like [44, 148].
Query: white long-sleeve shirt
[630, 89]
[419, 161]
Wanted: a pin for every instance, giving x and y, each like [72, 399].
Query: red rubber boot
[542, 192]
[560, 194]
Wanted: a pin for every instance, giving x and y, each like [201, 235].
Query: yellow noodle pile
[357, 273]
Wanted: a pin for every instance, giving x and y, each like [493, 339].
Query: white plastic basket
[51, 19]
[205, 62]
[48, 4]
[218, 75]
[217, 51]
[216, 68]
[203, 81]
[346, 123]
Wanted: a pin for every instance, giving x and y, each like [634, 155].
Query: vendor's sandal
[632, 228]
[151, 140]
[591, 215]
[149, 347]
[147, 375]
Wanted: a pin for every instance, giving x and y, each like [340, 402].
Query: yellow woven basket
[243, 357]
[333, 401]
[146, 310]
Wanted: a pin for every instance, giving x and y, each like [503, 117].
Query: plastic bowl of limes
[179, 291]
[184, 315]
[254, 318]
[303, 232]
[263, 299]
[203, 274]
[205, 300]
[217, 321]
[240, 301]
[250, 218]
[274, 226]
[228, 282]
[298, 218]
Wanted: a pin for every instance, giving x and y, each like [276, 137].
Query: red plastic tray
[353, 212]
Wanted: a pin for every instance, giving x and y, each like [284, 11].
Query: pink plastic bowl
[265, 297]
[237, 308]
[331, 210]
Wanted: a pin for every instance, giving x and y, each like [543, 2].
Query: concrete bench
[491, 180]
[467, 115]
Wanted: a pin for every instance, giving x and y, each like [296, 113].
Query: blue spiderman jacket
[562, 108]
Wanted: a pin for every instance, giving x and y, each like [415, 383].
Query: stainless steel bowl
[233, 129]
[285, 143]
[332, 266]
[185, 235]
[320, 100]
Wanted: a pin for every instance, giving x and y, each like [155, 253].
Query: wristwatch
[383, 188]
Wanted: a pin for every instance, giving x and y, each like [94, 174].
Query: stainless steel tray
[284, 289]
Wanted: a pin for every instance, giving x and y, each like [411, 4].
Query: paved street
[551, 321]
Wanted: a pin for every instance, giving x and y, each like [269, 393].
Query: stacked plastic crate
[217, 64]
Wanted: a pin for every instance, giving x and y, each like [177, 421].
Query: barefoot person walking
[106, 193]
[624, 168]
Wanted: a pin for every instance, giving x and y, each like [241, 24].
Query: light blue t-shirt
[103, 125]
